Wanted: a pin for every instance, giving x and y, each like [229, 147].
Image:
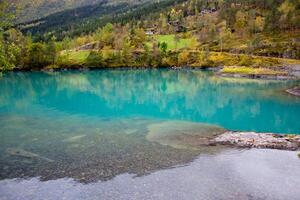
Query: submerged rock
[294, 91]
[130, 131]
[26, 154]
[180, 134]
[74, 138]
[259, 140]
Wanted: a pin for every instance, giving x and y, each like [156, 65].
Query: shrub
[94, 59]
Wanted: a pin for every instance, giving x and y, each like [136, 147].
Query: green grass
[252, 71]
[77, 56]
[170, 40]
[71, 58]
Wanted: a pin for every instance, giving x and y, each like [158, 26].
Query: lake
[113, 134]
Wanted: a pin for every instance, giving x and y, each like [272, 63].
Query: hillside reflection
[186, 95]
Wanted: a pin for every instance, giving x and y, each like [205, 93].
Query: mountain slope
[87, 19]
[29, 10]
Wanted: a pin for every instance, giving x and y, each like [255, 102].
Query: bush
[95, 59]
[245, 60]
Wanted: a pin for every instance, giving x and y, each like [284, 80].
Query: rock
[74, 138]
[89, 46]
[130, 131]
[25, 154]
[259, 140]
[294, 91]
[181, 134]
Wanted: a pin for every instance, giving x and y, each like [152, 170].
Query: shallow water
[233, 174]
[99, 125]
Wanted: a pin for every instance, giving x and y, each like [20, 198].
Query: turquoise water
[190, 95]
[96, 125]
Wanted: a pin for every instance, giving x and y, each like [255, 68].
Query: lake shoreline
[218, 71]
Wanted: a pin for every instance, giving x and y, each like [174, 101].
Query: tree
[126, 52]
[94, 59]
[4, 62]
[163, 46]
[194, 43]
[204, 56]
[138, 37]
[51, 51]
[224, 33]
[6, 49]
[272, 19]
[6, 16]
[146, 55]
[105, 35]
[37, 55]
[183, 58]
[241, 22]
[287, 10]
[259, 24]
[162, 24]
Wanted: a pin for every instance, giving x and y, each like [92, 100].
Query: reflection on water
[250, 175]
[86, 150]
[191, 95]
[96, 125]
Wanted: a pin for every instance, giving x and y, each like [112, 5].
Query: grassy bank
[253, 71]
[194, 58]
[229, 63]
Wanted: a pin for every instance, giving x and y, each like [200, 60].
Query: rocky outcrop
[294, 91]
[89, 46]
[259, 140]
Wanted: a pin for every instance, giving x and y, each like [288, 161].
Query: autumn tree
[37, 55]
[183, 58]
[51, 51]
[138, 37]
[95, 59]
[241, 22]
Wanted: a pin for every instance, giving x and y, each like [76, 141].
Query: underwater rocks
[259, 140]
[26, 154]
[256, 76]
[182, 135]
[294, 91]
[74, 138]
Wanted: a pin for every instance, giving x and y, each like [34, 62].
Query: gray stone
[294, 91]
[259, 140]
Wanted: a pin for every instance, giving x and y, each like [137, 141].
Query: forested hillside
[87, 19]
[29, 10]
[253, 36]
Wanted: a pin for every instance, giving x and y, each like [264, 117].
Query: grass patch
[252, 71]
[77, 56]
[171, 42]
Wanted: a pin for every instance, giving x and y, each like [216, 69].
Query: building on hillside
[150, 31]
